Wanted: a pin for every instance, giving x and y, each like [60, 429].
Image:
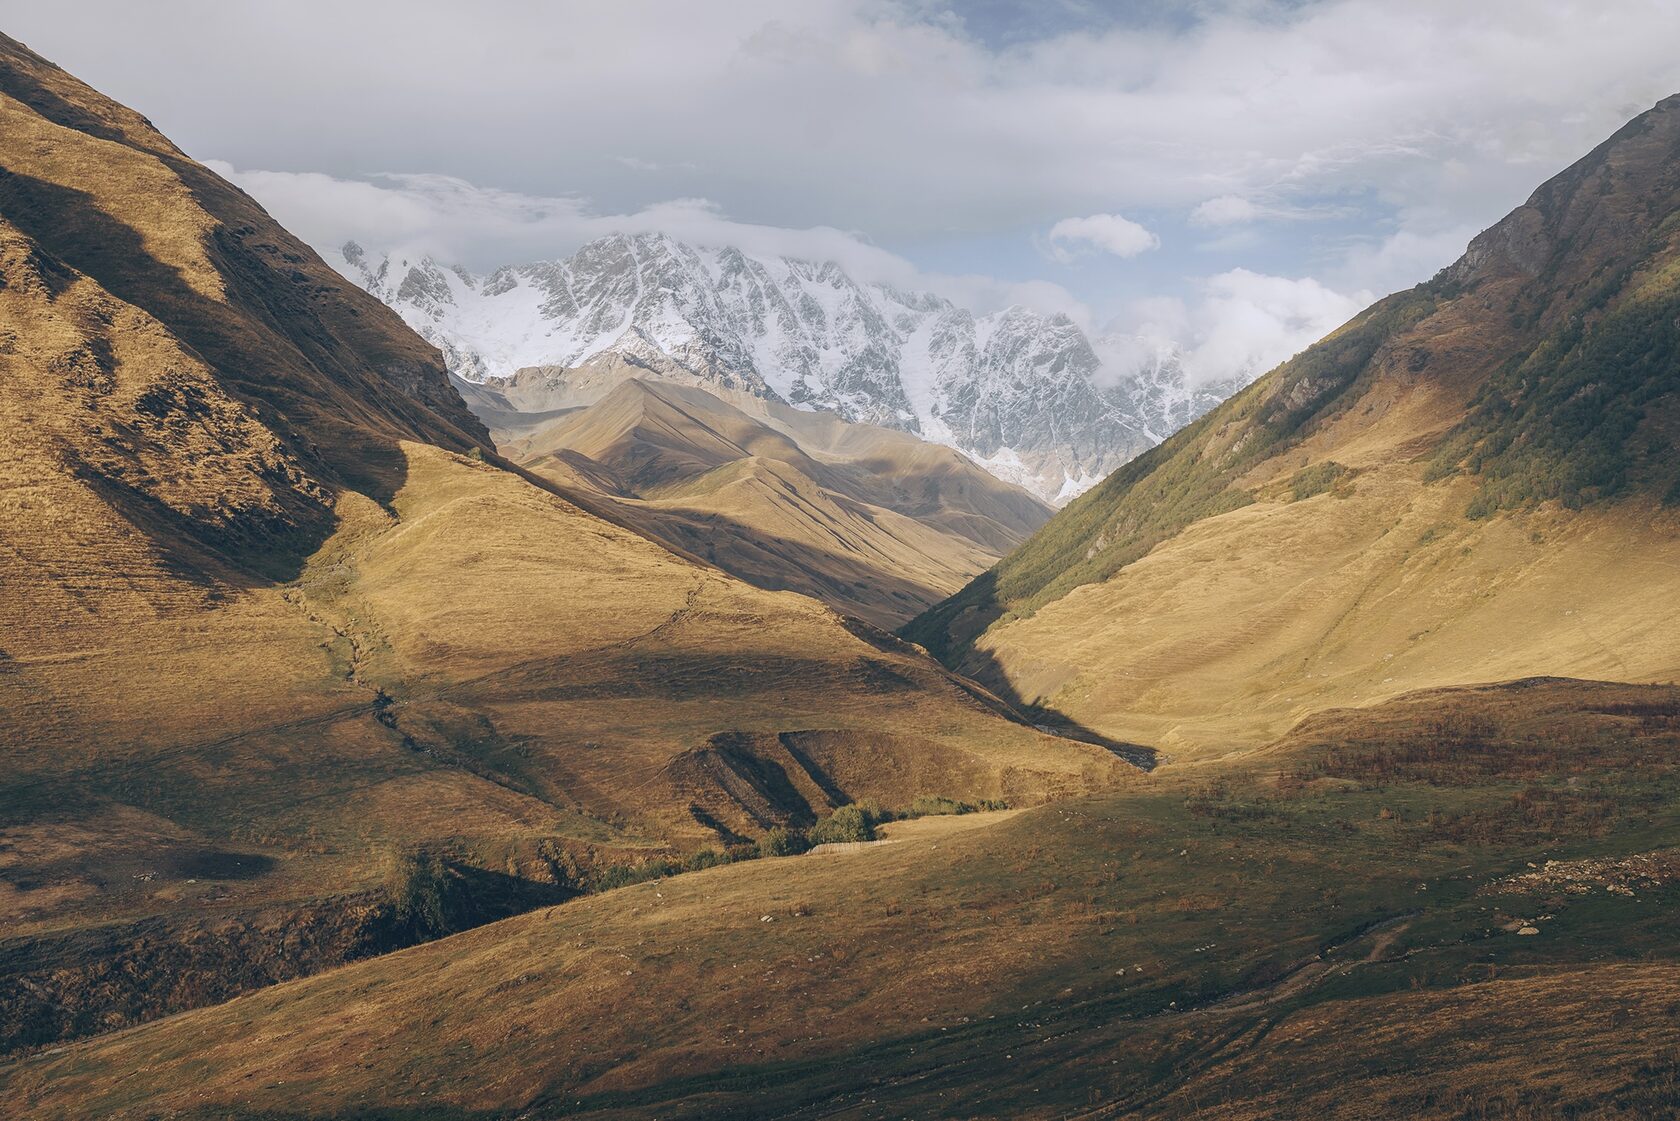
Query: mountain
[870, 520]
[272, 707]
[294, 669]
[1472, 480]
[1028, 396]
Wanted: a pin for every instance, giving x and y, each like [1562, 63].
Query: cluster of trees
[1317, 479]
[1563, 422]
[854, 822]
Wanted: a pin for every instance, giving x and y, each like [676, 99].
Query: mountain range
[378, 743]
[1030, 397]
[872, 521]
[294, 668]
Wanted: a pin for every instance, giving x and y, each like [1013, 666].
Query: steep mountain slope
[292, 670]
[872, 521]
[1028, 396]
[1473, 479]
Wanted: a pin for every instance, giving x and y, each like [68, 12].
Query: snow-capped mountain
[1028, 396]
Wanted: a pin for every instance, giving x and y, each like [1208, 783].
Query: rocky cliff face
[1031, 397]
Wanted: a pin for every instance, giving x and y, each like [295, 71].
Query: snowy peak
[1027, 395]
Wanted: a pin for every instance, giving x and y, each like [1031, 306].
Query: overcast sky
[1240, 175]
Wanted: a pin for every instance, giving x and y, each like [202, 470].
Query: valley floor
[1458, 904]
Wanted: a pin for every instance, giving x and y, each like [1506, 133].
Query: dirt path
[1224, 1046]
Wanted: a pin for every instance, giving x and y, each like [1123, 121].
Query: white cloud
[888, 116]
[480, 227]
[1403, 258]
[1243, 323]
[1411, 125]
[1226, 210]
[1109, 233]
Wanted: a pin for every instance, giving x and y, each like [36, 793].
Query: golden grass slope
[268, 631]
[1106, 957]
[1231, 631]
[1479, 478]
[876, 523]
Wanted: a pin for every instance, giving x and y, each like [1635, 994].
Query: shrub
[933, 806]
[855, 822]
[623, 875]
[424, 898]
[705, 858]
[846, 824]
[782, 842]
[1317, 479]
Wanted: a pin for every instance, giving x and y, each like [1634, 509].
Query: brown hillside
[874, 522]
[287, 676]
[1336, 924]
[1474, 479]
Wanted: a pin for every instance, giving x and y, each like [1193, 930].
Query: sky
[1236, 176]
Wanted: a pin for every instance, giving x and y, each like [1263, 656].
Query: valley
[679, 682]
[324, 642]
[1386, 511]
[1055, 963]
[874, 522]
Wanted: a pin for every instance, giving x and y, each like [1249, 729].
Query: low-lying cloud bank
[1239, 321]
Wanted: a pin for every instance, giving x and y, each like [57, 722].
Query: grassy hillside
[294, 670]
[1475, 478]
[1551, 344]
[873, 522]
[1308, 932]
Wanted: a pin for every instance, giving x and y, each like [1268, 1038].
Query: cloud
[895, 117]
[1109, 233]
[1226, 210]
[1242, 323]
[1402, 258]
[481, 228]
[945, 131]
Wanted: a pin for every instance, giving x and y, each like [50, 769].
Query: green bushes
[1317, 479]
[1562, 422]
[423, 897]
[930, 806]
[783, 842]
[849, 823]
[657, 868]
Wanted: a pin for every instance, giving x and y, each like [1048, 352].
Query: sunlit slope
[1118, 955]
[476, 670]
[873, 521]
[277, 632]
[1476, 478]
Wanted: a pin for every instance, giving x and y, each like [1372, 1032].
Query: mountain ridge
[1026, 395]
[1529, 384]
[294, 668]
[872, 521]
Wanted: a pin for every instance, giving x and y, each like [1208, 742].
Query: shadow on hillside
[957, 621]
[265, 348]
[983, 679]
[1052, 721]
[765, 560]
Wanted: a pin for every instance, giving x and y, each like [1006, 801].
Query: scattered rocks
[1621, 876]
